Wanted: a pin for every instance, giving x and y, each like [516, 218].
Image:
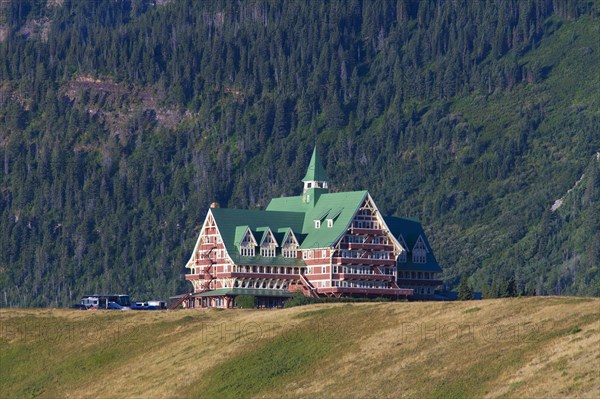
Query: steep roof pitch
[315, 171]
[411, 230]
[240, 233]
[341, 206]
[266, 232]
[285, 233]
[292, 214]
[228, 221]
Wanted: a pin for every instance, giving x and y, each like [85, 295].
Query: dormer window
[289, 248]
[317, 224]
[419, 252]
[247, 244]
[268, 244]
[330, 223]
[402, 257]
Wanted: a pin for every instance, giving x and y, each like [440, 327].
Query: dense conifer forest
[122, 120]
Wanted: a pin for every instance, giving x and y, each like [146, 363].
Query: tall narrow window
[402, 257]
[419, 254]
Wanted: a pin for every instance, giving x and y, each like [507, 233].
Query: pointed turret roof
[315, 171]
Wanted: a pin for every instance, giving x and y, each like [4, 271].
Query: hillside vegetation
[121, 121]
[503, 348]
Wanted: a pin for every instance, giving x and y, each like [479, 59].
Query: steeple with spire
[315, 180]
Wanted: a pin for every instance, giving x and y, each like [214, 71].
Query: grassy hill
[521, 347]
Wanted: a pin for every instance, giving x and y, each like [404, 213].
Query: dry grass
[529, 347]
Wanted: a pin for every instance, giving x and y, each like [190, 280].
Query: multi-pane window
[247, 251]
[267, 251]
[402, 257]
[290, 247]
[247, 245]
[268, 245]
[419, 256]
[419, 252]
[290, 251]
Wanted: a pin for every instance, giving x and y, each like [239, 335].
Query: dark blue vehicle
[150, 305]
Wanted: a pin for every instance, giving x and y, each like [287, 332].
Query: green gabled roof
[346, 203]
[335, 213]
[284, 233]
[228, 221]
[240, 231]
[278, 237]
[322, 215]
[265, 233]
[284, 215]
[315, 171]
[411, 230]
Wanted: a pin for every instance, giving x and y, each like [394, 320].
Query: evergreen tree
[503, 289]
[487, 292]
[465, 291]
[511, 287]
[494, 288]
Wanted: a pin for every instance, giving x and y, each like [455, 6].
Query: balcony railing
[258, 275]
[366, 245]
[363, 277]
[368, 291]
[413, 281]
[363, 230]
[363, 261]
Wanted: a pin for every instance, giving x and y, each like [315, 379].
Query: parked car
[150, 305]
[114, 306]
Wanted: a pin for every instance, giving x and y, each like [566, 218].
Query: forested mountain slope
[122, 120]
